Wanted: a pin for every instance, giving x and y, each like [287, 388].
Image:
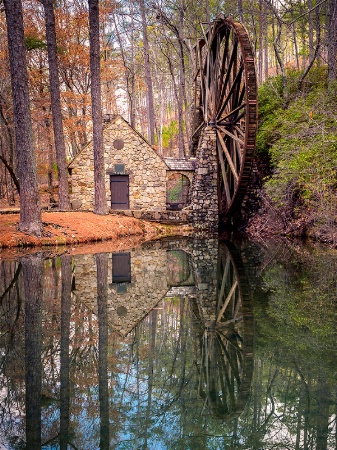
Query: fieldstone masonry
[204, 191]
[123, 146]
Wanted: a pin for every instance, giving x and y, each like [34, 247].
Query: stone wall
[204, 190]
[146, 170]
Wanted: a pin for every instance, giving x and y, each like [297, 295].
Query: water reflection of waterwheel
[226, 367]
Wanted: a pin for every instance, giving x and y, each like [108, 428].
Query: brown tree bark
[60, 149]
[148, 78]
[96, 104]
[310, 30]
[11, 172]
[130, 73]
[30, 212]
[332, 39]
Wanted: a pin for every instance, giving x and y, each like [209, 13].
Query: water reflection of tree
[179, 270]
[12, 350]
[148, 385]
[32, 271]
[294, 394]
[103, 339]
[65, 351]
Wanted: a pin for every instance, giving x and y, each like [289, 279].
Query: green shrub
[300, 141]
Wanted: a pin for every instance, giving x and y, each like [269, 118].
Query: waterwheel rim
[227, 339]
[226, 99]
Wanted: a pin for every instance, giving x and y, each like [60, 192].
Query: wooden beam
[233, 111]
[228, 156]
[229, 69]
[224, 177]
[224, 130]
[236, 80]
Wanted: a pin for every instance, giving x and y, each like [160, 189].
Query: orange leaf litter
[69, 228]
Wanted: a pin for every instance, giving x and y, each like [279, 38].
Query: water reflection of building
[137, 281]
[169, 347]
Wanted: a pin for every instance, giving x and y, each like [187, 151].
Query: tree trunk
[266, 67]
[148, 78]
[130, 69]
[310, 30]
[178, 96]
[11, 172]
[332, 39]
[30, 213]
[240, 10]
[95, 69]
[182, 83]
[63, 187]
[261, 42]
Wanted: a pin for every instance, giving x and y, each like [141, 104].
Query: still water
[177, 344]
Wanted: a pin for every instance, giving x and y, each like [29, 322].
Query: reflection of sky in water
[156, 377]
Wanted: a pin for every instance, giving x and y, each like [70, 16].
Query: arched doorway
[177, 191]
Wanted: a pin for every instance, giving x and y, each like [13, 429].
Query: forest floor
[72, 228]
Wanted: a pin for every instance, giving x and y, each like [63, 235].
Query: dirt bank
[71, 228]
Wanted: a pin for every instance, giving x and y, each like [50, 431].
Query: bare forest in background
[146, 69]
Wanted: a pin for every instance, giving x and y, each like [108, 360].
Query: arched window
[178, 186]
[179, 268]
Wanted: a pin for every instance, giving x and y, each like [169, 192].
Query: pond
[176, 344]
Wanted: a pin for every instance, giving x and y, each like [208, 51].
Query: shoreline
[63, 229]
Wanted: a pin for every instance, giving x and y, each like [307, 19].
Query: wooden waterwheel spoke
[238, 149]
[228, 156]
[231, 135]
[236, 82]
[223, 68]
[233, 111]
[241, 116]
[224, 176]
[228, 72]
[238, 130]
[198, 129]
[232, 365]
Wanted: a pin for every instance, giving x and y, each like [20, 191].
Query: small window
[118, 144]
[119, 168]
[121, 268]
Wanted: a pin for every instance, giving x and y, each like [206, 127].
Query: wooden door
[119, 186]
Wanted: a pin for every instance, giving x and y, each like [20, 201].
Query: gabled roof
[109, 119]
[181, 164]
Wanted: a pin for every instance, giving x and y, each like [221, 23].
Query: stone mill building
[136, 176]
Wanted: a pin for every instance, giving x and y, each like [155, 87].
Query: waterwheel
[226, 99]
[226, 338]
